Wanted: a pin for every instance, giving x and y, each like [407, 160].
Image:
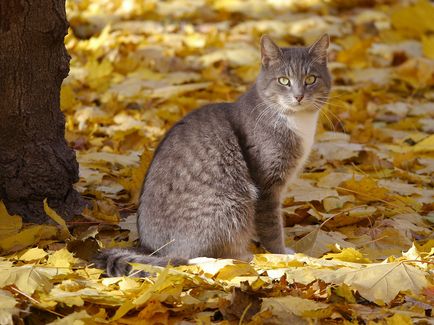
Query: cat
[217, 178]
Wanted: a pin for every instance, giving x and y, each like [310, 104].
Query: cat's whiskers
[262, 114]
[258, 106]
[339, 120]
[264, 106]
[318, 106]
[279, 114]
[326, 100]
[321, 103]
[283, 109]
[323, 113]
[336, 95]
[267, 110]
[266, 115]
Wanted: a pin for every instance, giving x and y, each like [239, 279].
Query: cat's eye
[283, 81]
[309, 80]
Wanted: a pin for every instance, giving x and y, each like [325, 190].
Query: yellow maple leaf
[365, 189]
[417, 72]
[345, 292]
[26, 278]
[99, 73]
[134, 185]
[163, 281]
[428, 46]
[154, 313]
[425, 145]
[7, 307]
[104, 210]
[318, 242]
[53, 215]
[27, 237]
[276, 260]
[380, 283]
[385, 242]
[61, 258]
[427, 247]
[416, 18]
[68, 99]
[297, 306]
[9, 224]
[229, 272]
[399, 319]
[75, 318]
[349, 255]
[355, 52]
[32, 254]
[351, 216]
[128, 284]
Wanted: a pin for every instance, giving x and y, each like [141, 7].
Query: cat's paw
[289, 251]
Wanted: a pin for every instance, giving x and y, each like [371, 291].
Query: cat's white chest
[304, 125]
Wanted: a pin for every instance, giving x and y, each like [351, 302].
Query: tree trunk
[35, 160]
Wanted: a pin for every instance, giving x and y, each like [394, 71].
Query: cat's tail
[116, 260]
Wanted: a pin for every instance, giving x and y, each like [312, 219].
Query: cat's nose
[299, 98]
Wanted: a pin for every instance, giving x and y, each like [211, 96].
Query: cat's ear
[319, 48]
[270, 52]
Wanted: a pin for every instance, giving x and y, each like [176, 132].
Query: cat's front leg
[269, 226]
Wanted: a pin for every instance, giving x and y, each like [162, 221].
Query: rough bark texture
[35, 160]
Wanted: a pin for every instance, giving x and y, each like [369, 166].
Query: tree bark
[35, 160]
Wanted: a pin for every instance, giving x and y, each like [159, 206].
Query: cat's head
[294, 79]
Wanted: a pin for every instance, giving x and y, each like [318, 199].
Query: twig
[244, 314]
[36, 302]
[158, 249]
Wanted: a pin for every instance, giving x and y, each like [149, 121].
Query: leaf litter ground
[360, 217]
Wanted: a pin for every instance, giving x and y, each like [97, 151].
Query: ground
[360, 216]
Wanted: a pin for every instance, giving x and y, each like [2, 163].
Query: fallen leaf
[242, 306]
[294, 305]
[231, 271]
[154, 313]
[380, 282]
[75, 318]
[130, 223]
[7, 309]
[415, 17]
[426, 145]
[9, 224]
[61, 259]
[32, 254]
[318, 242]
[27, 278]
[399, 319]
[349, 255]
[58, 219]
[428, 46]
[302, 190]
[27, 237]
[418, 72]
[365, 189]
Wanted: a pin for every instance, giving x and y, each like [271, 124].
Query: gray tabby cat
[217, 178]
